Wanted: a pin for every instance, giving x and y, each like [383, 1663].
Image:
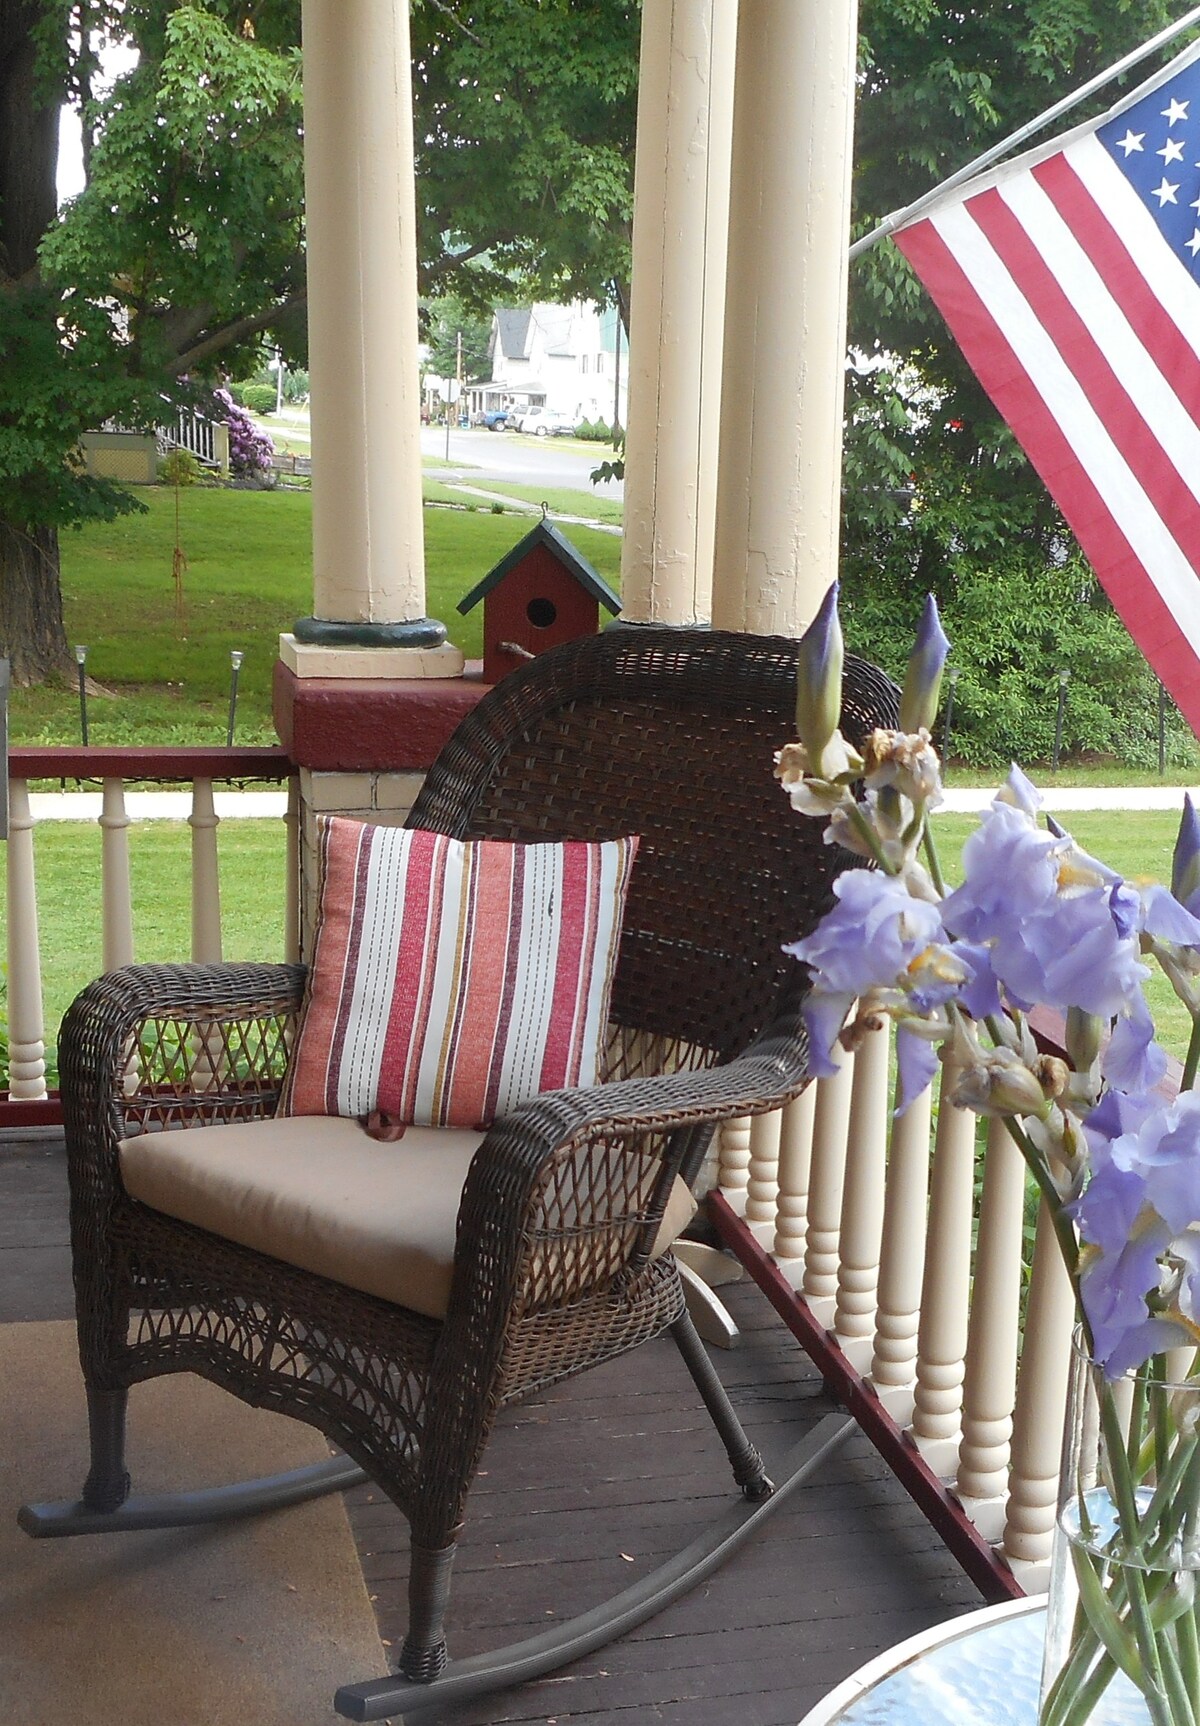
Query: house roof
[545, 533]
[512, 327]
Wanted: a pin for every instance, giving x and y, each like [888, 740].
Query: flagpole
[897, 218]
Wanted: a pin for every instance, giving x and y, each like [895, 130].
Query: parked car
[546, 422]
[495, 419]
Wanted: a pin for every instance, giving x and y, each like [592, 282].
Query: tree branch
[234, 332]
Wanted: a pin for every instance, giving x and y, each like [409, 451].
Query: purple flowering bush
[250, 448]
[1036, 922]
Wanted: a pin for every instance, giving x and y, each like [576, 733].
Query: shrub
[180, 467]
[594, 431]
[259, 398]
[250, 448]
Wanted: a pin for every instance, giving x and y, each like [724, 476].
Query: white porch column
[368, 548]
[785, 317]
[681, 204]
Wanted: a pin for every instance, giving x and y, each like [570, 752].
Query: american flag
[1070, 278]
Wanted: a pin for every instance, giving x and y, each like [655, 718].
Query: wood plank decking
[599, 1481]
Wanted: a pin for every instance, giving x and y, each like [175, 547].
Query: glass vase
[1123, 1611]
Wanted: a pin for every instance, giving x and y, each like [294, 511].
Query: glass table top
[983, 1669]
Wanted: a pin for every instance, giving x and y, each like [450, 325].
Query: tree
[448, 321]
[197, 154]
[525, 120]
[938, 497]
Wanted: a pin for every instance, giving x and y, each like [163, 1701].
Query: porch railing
[29, 1101]
[925, 1282]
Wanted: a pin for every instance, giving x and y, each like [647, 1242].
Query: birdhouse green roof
[545, 533]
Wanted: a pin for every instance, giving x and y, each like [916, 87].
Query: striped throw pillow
[453, 979]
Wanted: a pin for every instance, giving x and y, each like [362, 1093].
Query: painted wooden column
[681, 204]
[368, 547]
[783, 374]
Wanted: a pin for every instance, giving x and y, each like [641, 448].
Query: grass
[1138, 843]
[69, 915]
[559, 500]
[248, 577]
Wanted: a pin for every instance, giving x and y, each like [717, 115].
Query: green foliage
[594, 431]
[180, 467]
[445, 320]
[259, 398]
[525, 121]
[937, 496]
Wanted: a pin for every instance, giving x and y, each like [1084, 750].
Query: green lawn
[1139, 844]
[558, 501]
[68, 876]
[248, 576]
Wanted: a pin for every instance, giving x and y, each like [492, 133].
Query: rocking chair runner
[557, 1264]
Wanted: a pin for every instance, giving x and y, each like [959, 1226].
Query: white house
[570, 357]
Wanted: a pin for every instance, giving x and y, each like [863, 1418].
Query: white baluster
[795, 1160]
[291, 900]
[1038, 1417]
[831, 1121]
[989, 1387]
[902, 1259]
[734, 1164]
[206, 878]
[762, 1176]
[117, 912]
[26, 1021]
[942, 1336]
[862, 1199]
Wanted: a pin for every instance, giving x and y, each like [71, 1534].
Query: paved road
[523, 460]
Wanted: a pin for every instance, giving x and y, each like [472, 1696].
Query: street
[523, 460]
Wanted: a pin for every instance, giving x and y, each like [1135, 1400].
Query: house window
[583, 360]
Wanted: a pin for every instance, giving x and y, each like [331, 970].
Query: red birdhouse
[541, 594]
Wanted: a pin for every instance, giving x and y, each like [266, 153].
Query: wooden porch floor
[843, 1570]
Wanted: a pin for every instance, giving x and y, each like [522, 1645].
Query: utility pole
[458, 371]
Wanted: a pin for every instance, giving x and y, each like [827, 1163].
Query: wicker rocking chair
[664, 734]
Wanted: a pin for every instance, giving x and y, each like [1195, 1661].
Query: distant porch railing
[28, 1100]
[927, 1286]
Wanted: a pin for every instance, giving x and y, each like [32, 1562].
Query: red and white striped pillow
[454, 979]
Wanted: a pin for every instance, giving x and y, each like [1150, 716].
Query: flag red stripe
[1158, 333]
[1003, 376]
[1154, 469]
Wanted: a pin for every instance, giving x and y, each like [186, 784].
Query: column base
[330, 632]
[311, 659]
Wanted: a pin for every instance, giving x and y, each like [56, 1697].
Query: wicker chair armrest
[548, 1170]
[174, 1044]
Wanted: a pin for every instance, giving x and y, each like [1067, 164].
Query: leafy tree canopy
[938, 497]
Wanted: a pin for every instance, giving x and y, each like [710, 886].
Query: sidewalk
[267, 805]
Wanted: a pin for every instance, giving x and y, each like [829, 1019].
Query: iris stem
[1192, 1062]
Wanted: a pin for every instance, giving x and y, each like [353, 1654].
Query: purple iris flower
[1133, 1061]
[1063, 949]
[917, 1061]
[867, 941]
[1164, 1152]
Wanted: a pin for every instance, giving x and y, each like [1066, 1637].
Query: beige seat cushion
[317, 1192]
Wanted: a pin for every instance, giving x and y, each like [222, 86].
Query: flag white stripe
[1169, 280]
[1102, 316]
[1155, 547]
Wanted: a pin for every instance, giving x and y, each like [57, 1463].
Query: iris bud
[923, 679]
[1185, 864]
[819, 680]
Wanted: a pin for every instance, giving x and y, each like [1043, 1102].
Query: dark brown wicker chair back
[613, 734]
